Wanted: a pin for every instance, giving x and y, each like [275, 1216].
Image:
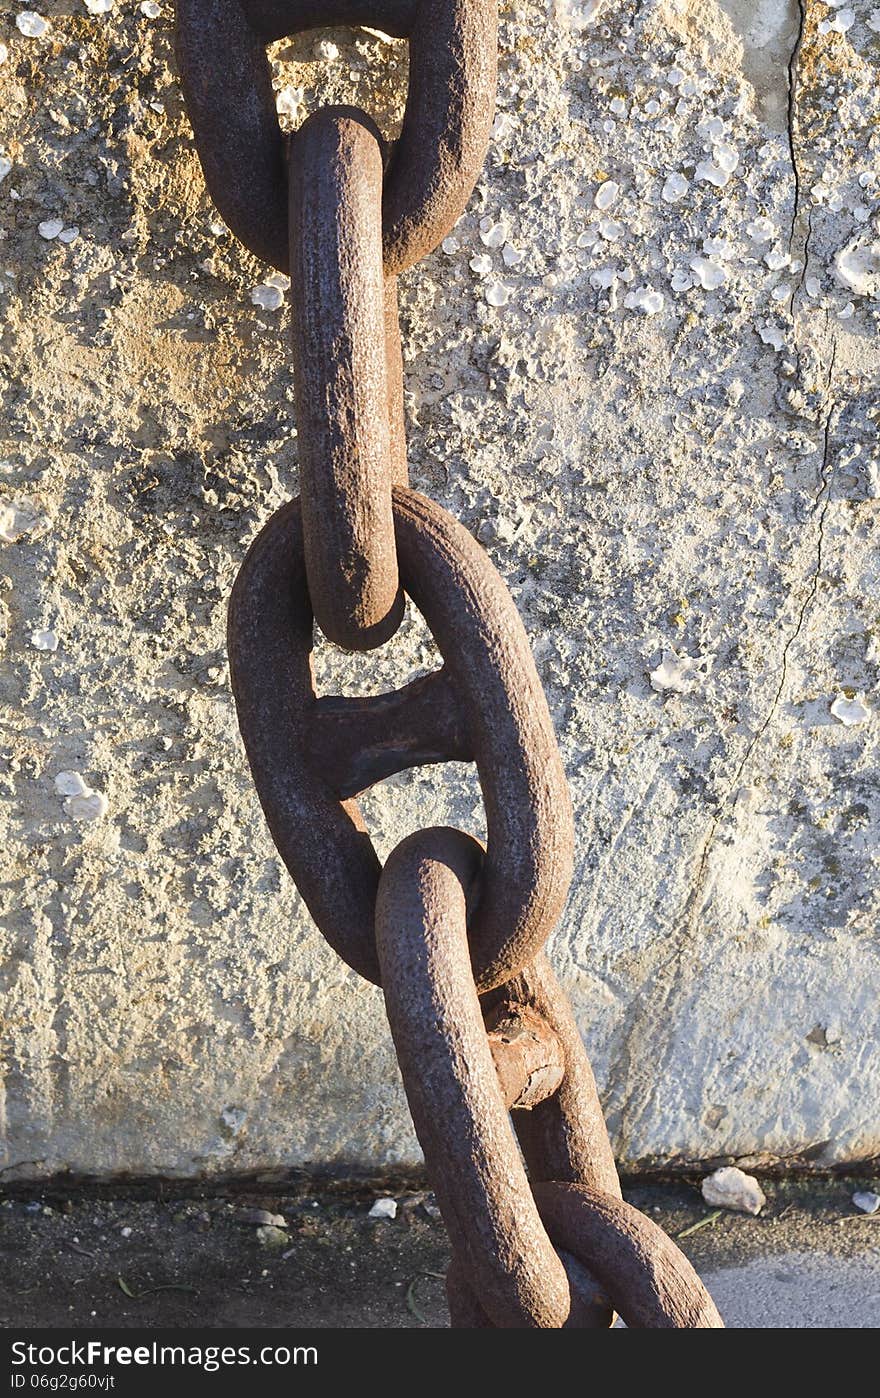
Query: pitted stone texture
[657, 468]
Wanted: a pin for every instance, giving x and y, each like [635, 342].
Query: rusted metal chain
[487, 1044]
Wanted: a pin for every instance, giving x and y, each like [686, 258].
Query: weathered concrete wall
[666, 438]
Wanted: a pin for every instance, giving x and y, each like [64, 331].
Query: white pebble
[383, 1208]
[4, 53]
[69, 235]
[71, 784]
[93, 806]
[5, 167]
[98, 7]
[849, 711]
[709, 274]
[328, 51]
[606, 194]
[731, 1188]
[497, 294]
[44, 640]
[867, 1201]
[150, 9]
[675, 188]
[451, 246]
[30, 24]
[50, 228]
[279, 280]
[812, 286]
[268, 298]
[776, 259]
[781, 292]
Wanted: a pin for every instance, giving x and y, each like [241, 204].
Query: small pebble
[383, 1208]
[50, 228]
[44, 640]
[731, 1188]
[606, 194]
[272, 1238]
[98, 7]
[867, 1201]
[150, 9]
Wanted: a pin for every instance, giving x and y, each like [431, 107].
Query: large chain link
[451, 930]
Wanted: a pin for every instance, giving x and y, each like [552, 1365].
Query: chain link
[499, 1086]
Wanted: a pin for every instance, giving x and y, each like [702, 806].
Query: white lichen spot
[645, 299]
[21, 516]
[873, 21]
[288, 101]
[44, 640]
[776, 259]
[781, 292]
[492, 235]
[31, 24]
[512, 256]
[267, 297]
[847, 312]
[812, 286]
[497, 294]
[451, 246]
[850, 711]
[50, 228]
[4, 53]
[503, 126]
[610, 229]
[618, 106]
[771, 335]
[279, 280]
[5, 167]
[675, 188]
[328, 51]
[233, 1118]
[842, 21]
[718, 248]
[578, 14]
[710, 275]
[681, 280]
[150, 9]
[481, 263]
[680, 674]
[718, 170]
[762, 229]
[98, 7]
[857, 266]
[606, 194]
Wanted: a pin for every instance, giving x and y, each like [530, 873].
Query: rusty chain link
[498, 1083]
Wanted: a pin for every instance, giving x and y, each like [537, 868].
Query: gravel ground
[100, 1259]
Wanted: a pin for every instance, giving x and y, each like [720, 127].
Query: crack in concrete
[792, 119]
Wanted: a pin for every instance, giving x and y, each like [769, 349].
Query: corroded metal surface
[499, 1085]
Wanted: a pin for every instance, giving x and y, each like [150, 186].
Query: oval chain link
[452, 931]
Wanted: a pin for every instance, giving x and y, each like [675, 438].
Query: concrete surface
[808, 1262]
[667, 441]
